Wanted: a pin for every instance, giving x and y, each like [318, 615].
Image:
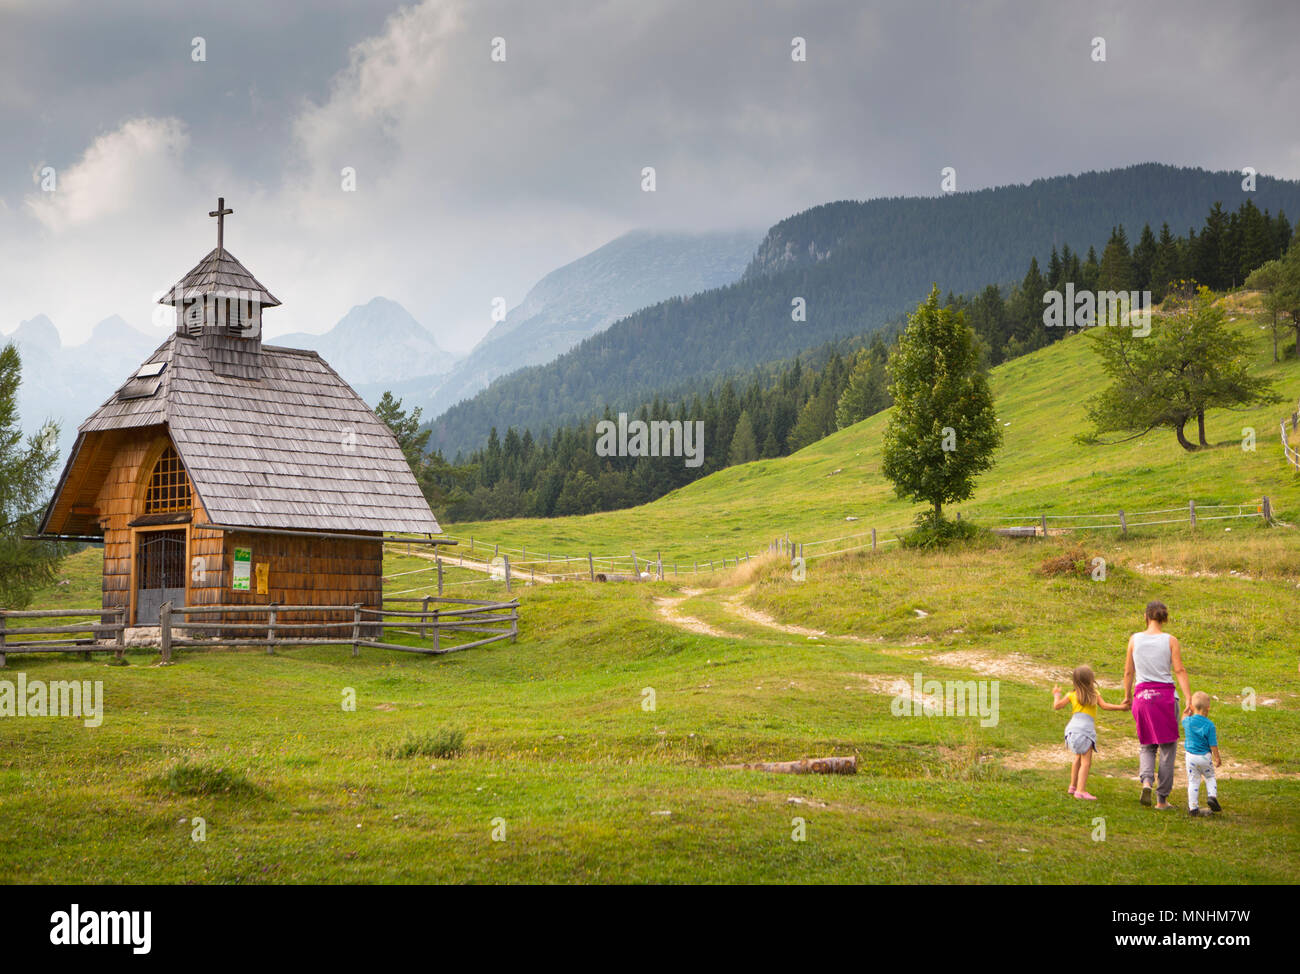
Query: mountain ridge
[855, 266]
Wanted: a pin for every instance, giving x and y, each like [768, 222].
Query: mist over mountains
[379, 345]
[66, 383]
[654, 311]
[577, 301]
[375, 342]
[854, 266]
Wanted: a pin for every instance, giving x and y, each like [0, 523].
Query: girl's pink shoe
[1070, 790]
[1085, 795]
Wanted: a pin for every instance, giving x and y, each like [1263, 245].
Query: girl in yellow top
[1081, 731]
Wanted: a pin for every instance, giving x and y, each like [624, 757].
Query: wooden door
[160, 573]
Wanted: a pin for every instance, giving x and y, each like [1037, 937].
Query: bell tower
[221, 303]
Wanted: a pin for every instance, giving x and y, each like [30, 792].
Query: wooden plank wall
[117, 502]
[302, 571]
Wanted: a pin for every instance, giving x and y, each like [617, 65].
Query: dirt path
[1111, 747]
[1114, 741]
[737, 607]
[1011, 666]
[667, 608]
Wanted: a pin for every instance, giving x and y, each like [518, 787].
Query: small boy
[1201, 749]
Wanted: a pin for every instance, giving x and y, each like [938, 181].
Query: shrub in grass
[191, 778]
[1073, 561]
[445, 743]
[938, 532]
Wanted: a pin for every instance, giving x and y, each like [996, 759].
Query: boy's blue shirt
[1200, 734]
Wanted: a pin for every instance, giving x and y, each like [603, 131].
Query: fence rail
[275, 626]
[510, 563]
[99, 636]
[1288, 451]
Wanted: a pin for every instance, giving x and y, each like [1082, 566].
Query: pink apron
[1155, 712]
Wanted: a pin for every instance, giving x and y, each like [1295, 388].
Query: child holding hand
[1081, 731]
[1201, 749]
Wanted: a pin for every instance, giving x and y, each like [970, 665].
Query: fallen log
[847, 765]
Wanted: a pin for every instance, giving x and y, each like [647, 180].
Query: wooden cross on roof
[221, 213]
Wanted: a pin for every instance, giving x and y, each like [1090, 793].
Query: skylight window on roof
[144, 383]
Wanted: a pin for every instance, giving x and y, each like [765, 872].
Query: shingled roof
[295, 448]
[219, 273]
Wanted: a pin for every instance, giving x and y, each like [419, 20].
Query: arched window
[169, 487]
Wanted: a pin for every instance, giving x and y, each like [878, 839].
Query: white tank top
[1152, 658]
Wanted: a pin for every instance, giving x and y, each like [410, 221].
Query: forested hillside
[855, 266]
[778, 408]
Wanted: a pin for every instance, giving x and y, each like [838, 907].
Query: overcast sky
[475, 177]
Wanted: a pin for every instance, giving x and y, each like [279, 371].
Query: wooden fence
[499, 565]
[92, 636]
[1042, 525]
[431, 620]
[1288, 451]
[514, 564]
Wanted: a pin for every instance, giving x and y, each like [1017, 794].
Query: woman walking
[1153, 662]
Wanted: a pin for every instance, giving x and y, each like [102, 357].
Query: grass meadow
[608, 743]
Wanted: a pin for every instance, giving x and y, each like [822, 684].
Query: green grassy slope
[1039, 469]
[592, 786]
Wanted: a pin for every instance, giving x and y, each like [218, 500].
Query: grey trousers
[1147, 767]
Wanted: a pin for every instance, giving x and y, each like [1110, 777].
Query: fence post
[356, 628]
[165, 631]
[697, 569]
[873, 539]
[591, 566]
[635, 569]
[1123, 523]
[270, 629]
[438, 561]
[1043, 520]
[4, 621]
[121, 635]
[436, 643]
[471, 544]
[424, 620]
[506, 561]
[1268, 516]
[514, 623]
[1191, 511]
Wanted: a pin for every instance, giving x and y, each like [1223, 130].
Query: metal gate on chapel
[160, 574]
